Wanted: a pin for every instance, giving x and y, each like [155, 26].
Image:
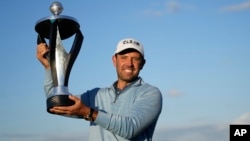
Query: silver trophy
[56, 28]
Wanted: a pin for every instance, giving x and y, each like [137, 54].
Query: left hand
[78, 109]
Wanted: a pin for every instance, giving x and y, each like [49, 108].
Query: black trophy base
[59, 100]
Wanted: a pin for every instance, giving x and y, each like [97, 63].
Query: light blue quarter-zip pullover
[130, 114]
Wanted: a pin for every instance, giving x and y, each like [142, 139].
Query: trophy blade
[61, 60]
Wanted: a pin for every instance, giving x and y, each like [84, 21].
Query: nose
[129, 61]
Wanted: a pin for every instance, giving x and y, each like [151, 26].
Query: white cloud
[168, 7]
[173, 6]
[237, 7]
[243, 119]
[174, 93]
[200, 132]
[197, 131]
[44, 137]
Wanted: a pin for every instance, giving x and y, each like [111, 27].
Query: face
[128, 65]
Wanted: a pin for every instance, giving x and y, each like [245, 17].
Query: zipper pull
[117, 93]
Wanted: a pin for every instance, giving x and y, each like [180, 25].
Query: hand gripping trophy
[56, 28]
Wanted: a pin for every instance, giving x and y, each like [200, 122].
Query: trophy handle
[75, 49]
[40, 39]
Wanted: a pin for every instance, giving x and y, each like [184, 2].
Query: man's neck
[123, 84]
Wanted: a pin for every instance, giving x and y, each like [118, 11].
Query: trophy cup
[56, 28]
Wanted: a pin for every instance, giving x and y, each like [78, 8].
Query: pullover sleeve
[48, 83]
[143, 115]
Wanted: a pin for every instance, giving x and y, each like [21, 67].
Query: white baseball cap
[129, 43]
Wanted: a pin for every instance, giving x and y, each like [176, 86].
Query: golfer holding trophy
[127, 110]
[56, 28]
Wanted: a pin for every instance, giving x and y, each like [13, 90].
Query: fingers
[64, 110]
[60, 110]
[42, 49]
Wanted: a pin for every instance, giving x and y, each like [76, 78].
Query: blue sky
[197, 52]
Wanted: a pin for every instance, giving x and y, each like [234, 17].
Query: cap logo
[131, 42]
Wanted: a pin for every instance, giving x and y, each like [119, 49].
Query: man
[127, 110]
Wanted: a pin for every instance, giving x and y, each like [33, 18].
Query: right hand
[42, 49]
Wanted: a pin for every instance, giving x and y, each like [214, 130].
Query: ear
[114, 60]
[142, 63]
